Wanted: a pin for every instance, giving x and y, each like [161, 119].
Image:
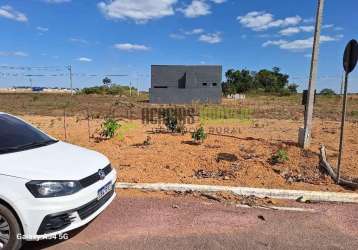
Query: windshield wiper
[36, 144]
[28, 146]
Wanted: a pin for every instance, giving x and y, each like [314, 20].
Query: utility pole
[139, 78]
[71, 83]
[130, 88]
[30, 79]
[305, 133]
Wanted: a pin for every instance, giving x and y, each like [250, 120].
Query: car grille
[91, 207]
[88, 181]
[53, 223]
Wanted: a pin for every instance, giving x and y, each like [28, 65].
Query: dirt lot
[237, 152]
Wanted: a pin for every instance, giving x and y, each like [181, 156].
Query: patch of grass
[354, 113]
[221, 114]
[126, 127]
[281, 156]
[199, 135]
[109, 128]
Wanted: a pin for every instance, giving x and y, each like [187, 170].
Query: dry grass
[237, 151]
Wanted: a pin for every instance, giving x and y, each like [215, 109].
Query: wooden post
[88, 125]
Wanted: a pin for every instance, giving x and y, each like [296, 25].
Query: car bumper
[85, 201]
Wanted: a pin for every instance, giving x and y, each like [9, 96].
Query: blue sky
[124, 37]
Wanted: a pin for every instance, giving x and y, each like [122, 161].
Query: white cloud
[218, 1]
[295, 30]
[307, 28]
[277, 42]
[196, 8]
[140, 11]
[184, 33]
[259, 21]
[84, 59]
[131, 47]
[327, 26]
[13, 53]
[78, 40]
[42, 29]
[194, 32]
[211, 38]
[9, 12]
[290, 31]
[301, 44]
[308, 55]
[309, 20]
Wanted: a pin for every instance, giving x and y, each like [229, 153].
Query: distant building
[185, 84]
[24, 89]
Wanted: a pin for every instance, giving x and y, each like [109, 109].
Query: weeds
[170, 122]
[173, 124]
[281, 156]
[109, 128]
[354, 113]
[199, 135]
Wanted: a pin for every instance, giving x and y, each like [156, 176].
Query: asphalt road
[189, 223]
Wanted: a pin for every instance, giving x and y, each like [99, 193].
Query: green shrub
[109, 128]
[281, 156]
[284, 92]
[199, 135]
[171, 121]
[35, 98]
[181, 128]
[113, 89]
[327, 92]
[354, 113]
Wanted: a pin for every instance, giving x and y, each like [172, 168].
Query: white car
[47, 187]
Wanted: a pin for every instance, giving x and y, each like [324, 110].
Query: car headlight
[47, 189]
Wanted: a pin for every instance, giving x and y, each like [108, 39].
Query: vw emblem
[101, 174]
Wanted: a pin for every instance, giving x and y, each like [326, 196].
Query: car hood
[58, 161]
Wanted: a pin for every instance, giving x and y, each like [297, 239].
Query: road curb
[246, 191]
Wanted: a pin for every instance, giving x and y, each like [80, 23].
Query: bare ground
[234, 154]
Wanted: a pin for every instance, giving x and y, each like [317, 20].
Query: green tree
[293, 87]
[271, 81]
[239, 81]
[106, 81]
[327, 92]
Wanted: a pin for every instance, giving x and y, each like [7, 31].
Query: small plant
[281, 156]
[109, 128]
[171, 122]
[199, 135]
[147, 141]
[35, 98]
[181, 128]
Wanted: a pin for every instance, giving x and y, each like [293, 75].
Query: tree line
[270, 81]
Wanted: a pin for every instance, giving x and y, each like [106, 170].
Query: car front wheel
[9, 230]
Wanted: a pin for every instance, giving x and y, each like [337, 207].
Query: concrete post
[305, 133]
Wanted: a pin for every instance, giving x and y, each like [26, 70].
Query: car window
[15, 133]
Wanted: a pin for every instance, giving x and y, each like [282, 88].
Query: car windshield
[16, 135]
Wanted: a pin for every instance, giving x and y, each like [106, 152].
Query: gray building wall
[184, 84]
